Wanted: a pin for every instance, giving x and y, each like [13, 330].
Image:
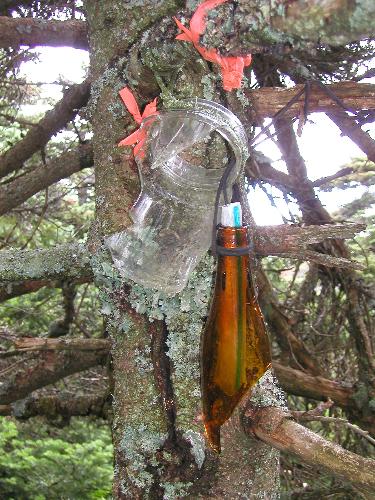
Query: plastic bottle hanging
[173, 215]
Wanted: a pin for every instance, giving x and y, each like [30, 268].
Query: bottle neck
[232, 237]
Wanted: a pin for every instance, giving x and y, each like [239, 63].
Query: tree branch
[267, 101]
[273, 426]
[33, 372]
[351, 129]
[302, 416]
[292, 380]
[32, 32]
[293, 348]
[60, 406]
[257, 25]
[14, 193]
[38, 344]
[62, 262]
[53, 121]
[10, 290]
[293, 241]
[71, 261]
[303, 384]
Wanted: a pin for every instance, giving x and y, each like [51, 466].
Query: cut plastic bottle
[173, 215]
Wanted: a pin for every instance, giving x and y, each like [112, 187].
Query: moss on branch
[62, 262]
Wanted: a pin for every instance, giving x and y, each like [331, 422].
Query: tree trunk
[160, 451]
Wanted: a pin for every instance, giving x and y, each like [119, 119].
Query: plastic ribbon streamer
[139, 136]
[231, 66]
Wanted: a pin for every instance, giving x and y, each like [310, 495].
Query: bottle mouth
[173, 131]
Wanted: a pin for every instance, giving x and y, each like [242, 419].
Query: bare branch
[273, 426]
[267, 101]
[10, 290]
[300, 383]
[351, 129]
[38, 344]
[53, 121]
[14, 193]
[292, 347]
[293, 241]
[32, 32]
[325, 180]
[33, 372]
[309, 417]
[59, 406]
[259, 167]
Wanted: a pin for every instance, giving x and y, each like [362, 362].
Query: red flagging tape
[231, 67]
[139, 136]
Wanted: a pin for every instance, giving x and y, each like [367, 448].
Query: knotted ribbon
[139, 136]
[231, 67]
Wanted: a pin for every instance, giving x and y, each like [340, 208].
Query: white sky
[324, 150]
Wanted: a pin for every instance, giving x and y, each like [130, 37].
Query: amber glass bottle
[235, 350]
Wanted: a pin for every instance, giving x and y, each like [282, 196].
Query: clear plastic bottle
[173, 215]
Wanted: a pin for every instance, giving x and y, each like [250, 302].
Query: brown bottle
[235, 350]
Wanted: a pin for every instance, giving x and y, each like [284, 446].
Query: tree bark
[267, 101]
[63, 262]
[72, 261]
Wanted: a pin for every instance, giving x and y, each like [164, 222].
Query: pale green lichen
[66, 262]
[267, 392]
[139, 446]
[174, 491]
[110, 78]
[198, 446]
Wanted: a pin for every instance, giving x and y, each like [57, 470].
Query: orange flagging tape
[139, 136]
[231, 67]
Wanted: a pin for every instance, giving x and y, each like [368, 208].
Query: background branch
[351, 129]
[14, 193]
[32, 32]
[53, 121]
[267, 101]
[273, 426]
[36, 371]
[63, 405]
